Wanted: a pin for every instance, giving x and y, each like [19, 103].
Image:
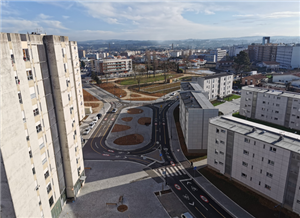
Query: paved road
[191, 195]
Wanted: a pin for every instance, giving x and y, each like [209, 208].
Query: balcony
[44, 161]
[33, 95]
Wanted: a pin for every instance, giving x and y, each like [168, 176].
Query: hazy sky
[161, 20]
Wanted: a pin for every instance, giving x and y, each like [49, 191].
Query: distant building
[175, 54]
[220, 54]
[225, 66]
[256, 79]
[107, 66]
[236, 49]
[217, 85]
[269, 65]
[210, 58]
[273, 106]
[92, 56]
[260, 53]
[288, 57]
[264, 159]
[286, 78]
[195, 112]
[81, 53]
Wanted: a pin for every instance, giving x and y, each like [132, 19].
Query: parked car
[87, 128]
[87, 131]
[99, 116]
[186, 215]
[114, 110]
[92, 124]
[172, 94]
[95, 119]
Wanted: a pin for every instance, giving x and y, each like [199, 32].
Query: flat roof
[272, 91]
[277, 137]
[217, 75]
[191, 86]
[195, 100]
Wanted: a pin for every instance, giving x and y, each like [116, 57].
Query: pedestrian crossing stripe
[170, 171]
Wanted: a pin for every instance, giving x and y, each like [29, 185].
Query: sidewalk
[225, 202]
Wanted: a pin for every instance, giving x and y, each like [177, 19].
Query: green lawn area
[144, 79]
[215, 103]
[252, 202]
[162, 87]
[266, 123]
[231, 97]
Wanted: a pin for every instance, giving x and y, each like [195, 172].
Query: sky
[152, 20]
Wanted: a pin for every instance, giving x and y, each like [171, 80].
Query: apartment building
[216, 85]
[236, 49]
[273, 106]
[260, 53]
[220, 54]
[264, 159]
[42, 104]
[81, 53]
[107, 66]
[288, 56]
[195, 112]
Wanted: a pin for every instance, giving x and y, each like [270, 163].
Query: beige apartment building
[273, 106]
[108, 66]
[41, 106]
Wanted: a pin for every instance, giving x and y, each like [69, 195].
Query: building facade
[220, 54]
[41, 151]
[108, 66]
[81, 53]
[264, 159]
[288, 56]
[236, 49]
[217, 85]
[195, 112]
[273, 106]
[260, 53]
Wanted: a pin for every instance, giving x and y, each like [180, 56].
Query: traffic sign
[204, 198]
[195, 168]
[177, 187]
[172, 163]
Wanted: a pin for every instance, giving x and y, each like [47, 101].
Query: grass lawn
[215, 103]
[255, 204]
[266, 123]
[144, 79]
[231, 97]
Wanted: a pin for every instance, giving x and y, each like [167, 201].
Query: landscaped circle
[122, 208]
[120, 128]
[132, 139]
[145, 121]
[127, 119]
[134, 111]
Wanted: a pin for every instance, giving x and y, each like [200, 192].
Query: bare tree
[155, 64]
[148, 61]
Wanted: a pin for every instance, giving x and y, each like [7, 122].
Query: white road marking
[178, 170]
[173, 171]
[169, 171]
[180, 167]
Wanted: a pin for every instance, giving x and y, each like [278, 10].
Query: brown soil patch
[120, 128]
[122, 208]
[93, 105]
[132, 139]
[145, 121]
[143, 99]
[127, 119]
[88, 97]
[135, 95]
[113, 89]
[134, 111]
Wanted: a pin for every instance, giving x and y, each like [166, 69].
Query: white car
[172, 94]
[114, 110]
[186, 215]
[92, 124]
[95, 119]
[86, 131]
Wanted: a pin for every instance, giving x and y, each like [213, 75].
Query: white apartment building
[220, 54]
[264, 159]
[216, 85]
[175, 54]
[41, 106]
[285, 78]
[195, 112]
[236, 49]
[288, 56]
[108, 66]
[273, 106]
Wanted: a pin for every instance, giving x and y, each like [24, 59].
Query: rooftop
[191, 86]
[270, 62]
[195, 100]
[272, 91]
[280, 138]
[217, 75]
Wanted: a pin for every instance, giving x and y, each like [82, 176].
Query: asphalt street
[190, 194]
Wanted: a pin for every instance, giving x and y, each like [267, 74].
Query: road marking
[192, 203]
[180, 167]
[151, 163]
[177, 170]
[107, 155]
[217, 210]
[194, 196]
[200, 212]
[96, 145]
[113, 118]
[174, 171]
[169, 171]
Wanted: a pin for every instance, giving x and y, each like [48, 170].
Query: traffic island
[145, 121]
[132, 139]
[127, 119]
[134, 111]
[155, 156]
[119, 128]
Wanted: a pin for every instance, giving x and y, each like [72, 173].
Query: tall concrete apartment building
[195, 111]
[216, 85]
[260, 53]
[264, 159]
[41, 106]
[107, 66]
[220, 54]
[273, 106]
[288, 56]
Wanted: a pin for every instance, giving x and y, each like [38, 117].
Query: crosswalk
[170, 171]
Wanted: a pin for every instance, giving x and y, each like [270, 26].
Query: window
[38, 128]
[259, 183]
[33, 169]
[20, 97]
[216, 151]
[44, 158]
[217, 130]
[217, 141]
[42, 145]
[252, 167]
[246, 152]
[215, 161]
[278, 97]
[26, 56]
[223, 131]
[269, 174]
[267, 187]
[273, 149]
[245, 164]
[271, 162]
[36, 112]
[221, 152]
[247, 140]
[29, 75]
[277, 105]
[49, 188]
[276, 112]
[51, 201]
[244, 175]
[32, 92]
[222, 142]
[30, 152]
[221, 163]
[275, 118]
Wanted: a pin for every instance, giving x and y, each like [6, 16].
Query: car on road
[114, 110]
[186, 215]
[86, 131]
[99, 115]
[95, 119]
[172, 94]
[92, 124]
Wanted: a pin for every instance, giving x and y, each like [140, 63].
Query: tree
[155, 64]
[242, 63]
[148, 61]
[95, 77]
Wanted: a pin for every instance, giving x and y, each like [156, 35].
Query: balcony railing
[44, 161]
